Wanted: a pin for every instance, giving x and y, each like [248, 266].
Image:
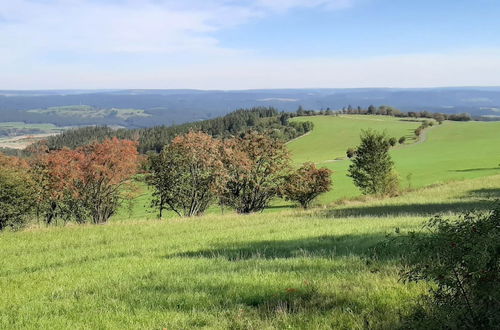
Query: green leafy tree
[372, 167]
[188, 174]
[307, 183]
[257, 170]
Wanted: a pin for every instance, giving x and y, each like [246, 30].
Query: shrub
[392, 141]
[402, 140]
[462, 258]
[83, 184]
[257, 166]
[307, 183]
[16, 198]
[188, 174]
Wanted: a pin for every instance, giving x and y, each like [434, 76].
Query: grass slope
[288, 270]
[452, 151]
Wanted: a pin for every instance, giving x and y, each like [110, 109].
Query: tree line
[195, 170]
[266, 120]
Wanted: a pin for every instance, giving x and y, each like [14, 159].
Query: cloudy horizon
[251, 44]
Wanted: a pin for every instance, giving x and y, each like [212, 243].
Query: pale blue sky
[229, 44]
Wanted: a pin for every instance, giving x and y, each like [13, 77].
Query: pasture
[295, 269]
[452, 151]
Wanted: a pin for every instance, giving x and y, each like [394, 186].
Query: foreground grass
[291, 269]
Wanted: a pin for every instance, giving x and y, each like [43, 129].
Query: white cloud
[417, 70]
[129, 25]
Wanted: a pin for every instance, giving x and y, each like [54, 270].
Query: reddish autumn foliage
[84, 182]
[307, 183]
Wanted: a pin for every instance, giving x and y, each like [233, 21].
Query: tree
[16, 194]
[372, 167]
[307, 183]
[188, 174]
[257, 169]
[371, 109]
[104, 167]
[83, 183]
[392, 141]
[402, 140]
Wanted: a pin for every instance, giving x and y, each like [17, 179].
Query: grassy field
[19, 135]
[452, 151]
[294, 269]
[449, 152]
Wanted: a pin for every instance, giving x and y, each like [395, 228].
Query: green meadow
[447, 152]
[295, 269]
[284, 268]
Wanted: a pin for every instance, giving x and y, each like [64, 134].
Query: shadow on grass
[477, 169]
[321, 246]
[488, 193]
[425, 209]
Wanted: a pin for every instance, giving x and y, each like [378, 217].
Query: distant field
[452, 151]
[86, 111]
[294, 269]
[18, 135]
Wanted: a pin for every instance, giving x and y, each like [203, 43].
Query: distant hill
[167, 107]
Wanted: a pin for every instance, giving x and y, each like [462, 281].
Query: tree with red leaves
[84, 183]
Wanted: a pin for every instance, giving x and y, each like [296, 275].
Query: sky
[248, 44]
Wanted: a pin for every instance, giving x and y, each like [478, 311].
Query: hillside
[293, 269]
[452, 151]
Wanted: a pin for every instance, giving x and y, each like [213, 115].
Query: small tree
[392, 141]
[402, 140]
[83, 183]
[372, 168]
[188, 174]
[257, 170]
[307, 183]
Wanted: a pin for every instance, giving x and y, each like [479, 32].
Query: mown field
[295, 269]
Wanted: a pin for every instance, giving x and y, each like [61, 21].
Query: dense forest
[262, 119]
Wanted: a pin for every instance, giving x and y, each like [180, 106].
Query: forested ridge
[261, 119]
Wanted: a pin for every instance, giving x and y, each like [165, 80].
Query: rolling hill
[285, 268]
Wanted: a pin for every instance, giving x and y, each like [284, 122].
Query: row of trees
[391, 111]
[244, 173]
[83, 184]
[195, 170]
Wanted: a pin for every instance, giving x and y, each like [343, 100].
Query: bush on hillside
[188, 174]
[257, 167]
[83, 184]
[462, 258]
[307, 183]
[372, 167]
[16, 194]
[402, 140]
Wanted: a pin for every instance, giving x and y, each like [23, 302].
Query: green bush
[16, 198]
[461, 258]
